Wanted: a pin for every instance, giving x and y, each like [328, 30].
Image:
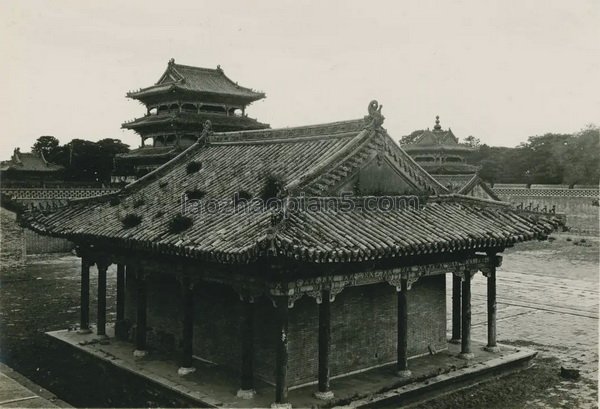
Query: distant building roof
[433, 139]
[31, 161]
[197, 79]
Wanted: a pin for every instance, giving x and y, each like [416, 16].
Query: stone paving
[549, 304]
[18, 392]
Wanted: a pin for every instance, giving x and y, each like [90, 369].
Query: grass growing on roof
[180, 223]
[131, 220]
[193, 167]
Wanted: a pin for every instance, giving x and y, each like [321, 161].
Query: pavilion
[321, 284]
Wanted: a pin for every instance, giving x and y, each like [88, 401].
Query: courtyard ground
[547, 300]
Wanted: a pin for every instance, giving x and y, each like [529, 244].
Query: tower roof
[198, 80]
[437, 137]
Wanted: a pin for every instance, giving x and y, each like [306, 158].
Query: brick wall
[12, 240]
[363, 326]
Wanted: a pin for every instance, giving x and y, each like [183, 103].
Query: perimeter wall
[579, 204]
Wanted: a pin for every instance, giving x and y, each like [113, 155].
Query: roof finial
[219, 68]
[172, 61]
[437, 126]
[375, 118]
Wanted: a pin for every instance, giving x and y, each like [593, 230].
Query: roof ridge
[301, 132]
[341, 155]
[197, 68]
[409, 159]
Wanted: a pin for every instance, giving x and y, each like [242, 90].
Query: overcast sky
[498, 70]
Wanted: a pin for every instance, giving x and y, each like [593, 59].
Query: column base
[466, 355]
[454, 340]
[281, 406]
[405, 373]
[327, 395]
[494, 348]
[245, 393]
[183, 371]
[83, 331]
[138, 353]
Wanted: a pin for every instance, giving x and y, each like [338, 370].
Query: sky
[498, 70]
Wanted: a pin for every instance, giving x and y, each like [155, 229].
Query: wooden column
[101, 320]
[281, 387]
[402, 365]
[465, 346]
[324, 391]
[120, 330]
[140, 332]
[187, 298]
[456, 306]
[491, 306]
[247, 332]
[84, 322]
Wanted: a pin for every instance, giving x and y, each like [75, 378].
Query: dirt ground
[547, 301]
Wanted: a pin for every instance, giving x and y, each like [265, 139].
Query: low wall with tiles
[580, 205]
[38, 244]
[55, 193]
[363, 326]
[15, 238]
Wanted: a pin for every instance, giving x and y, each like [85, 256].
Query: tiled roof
[314, 160]
[183, 118]
[463, 184]
[447, 223]
[437, 139]
[29, 162]
[197, 79]
[148, 151]
[455, 182]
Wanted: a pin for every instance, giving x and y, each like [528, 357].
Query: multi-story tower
[177, 107]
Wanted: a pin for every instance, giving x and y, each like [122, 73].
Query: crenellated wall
[580, 205]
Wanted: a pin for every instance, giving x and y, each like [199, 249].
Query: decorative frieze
[335, 284]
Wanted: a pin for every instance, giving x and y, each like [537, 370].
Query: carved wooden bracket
[463, 273]
[317, 294]
[291, 299]
[103, 262]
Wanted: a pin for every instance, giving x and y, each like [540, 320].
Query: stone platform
[16, 391]
[215, 386]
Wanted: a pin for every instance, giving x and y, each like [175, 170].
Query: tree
[472, 141]
[546, 159]
[582, 154]
[87, 161]
[46, 145]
